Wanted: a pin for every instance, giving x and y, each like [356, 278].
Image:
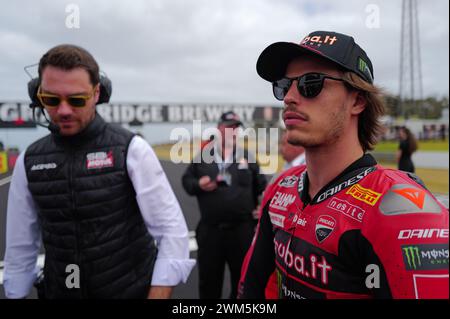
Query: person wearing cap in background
[227, 187]
[341, 226]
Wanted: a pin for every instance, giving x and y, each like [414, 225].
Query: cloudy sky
[206, 50]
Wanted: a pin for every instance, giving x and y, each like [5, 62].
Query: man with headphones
[95, 193]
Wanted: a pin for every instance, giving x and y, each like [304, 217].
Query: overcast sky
[206, 50]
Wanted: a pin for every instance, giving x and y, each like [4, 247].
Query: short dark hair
[68, 57]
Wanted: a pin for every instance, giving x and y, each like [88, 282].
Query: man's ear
[359, 103]
[97, 93]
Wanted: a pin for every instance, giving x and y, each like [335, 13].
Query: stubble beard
[328, 136]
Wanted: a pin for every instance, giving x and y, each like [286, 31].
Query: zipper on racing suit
[298, 212]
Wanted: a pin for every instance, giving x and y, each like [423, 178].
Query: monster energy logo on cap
[364, 68]
[425, 257]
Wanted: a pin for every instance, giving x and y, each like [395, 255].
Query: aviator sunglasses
[309, 85]
[53, 100]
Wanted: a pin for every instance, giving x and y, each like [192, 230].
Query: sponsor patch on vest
[40, 167]
[99, 160]
[364, 194]
[324, 227]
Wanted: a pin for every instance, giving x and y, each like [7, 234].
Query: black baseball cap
[230, 118]
[335, 47]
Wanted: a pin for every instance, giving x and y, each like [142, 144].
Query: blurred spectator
[426, 132]
[442, 132]
[2, 147]
[433, 132]
[407, 146]
[227, 189]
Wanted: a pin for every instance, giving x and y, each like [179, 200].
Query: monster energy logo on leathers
[412, 256]
[425, 256]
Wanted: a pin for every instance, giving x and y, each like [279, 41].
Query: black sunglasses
[309, 85]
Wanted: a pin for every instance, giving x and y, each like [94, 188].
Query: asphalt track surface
[189, 205]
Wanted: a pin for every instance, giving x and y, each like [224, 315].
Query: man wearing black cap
[342, 226]
[227, 188]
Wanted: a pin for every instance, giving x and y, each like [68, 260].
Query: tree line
[428, 108]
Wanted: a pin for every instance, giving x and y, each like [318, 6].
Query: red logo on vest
[415, 195]
[99, 160]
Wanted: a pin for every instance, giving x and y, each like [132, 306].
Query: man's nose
[64, 109]
[292, 94]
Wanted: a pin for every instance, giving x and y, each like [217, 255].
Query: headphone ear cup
[33, 86]
[105, 90]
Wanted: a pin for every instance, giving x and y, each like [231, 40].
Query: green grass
[426, 146]
[436, 180]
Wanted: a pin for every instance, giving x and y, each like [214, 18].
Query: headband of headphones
[105, 91]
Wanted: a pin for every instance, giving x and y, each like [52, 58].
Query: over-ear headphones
[33, 86]
[105, 91]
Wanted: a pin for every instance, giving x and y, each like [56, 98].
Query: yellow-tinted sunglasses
[53, 100]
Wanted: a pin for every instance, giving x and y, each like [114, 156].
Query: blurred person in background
[407, 146]
[227, 190]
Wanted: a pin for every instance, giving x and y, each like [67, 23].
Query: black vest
[88, 214]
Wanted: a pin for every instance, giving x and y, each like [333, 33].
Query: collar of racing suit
[366, 164]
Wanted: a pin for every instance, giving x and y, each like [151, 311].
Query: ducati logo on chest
[99, 160]
[324, 227]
